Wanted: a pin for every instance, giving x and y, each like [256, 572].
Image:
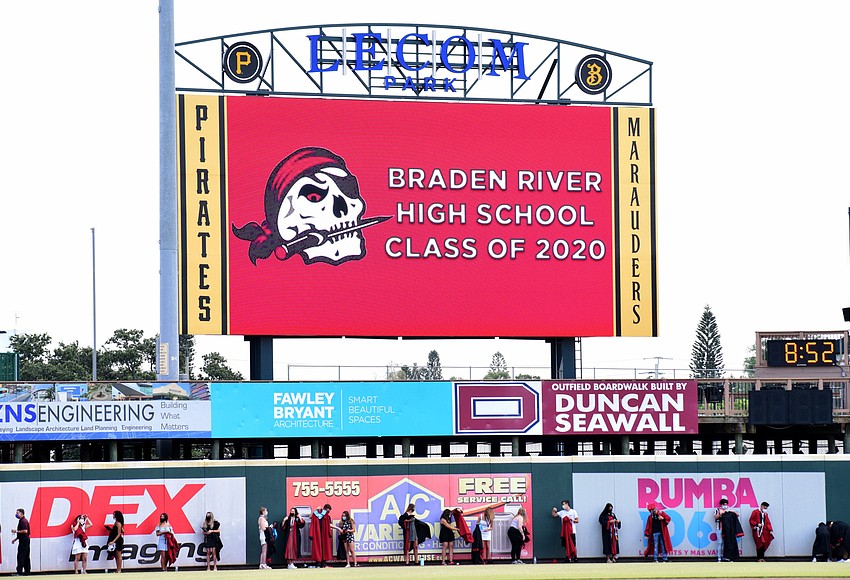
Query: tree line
[433, 370]
[128, 355]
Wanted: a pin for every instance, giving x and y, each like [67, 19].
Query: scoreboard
[815, 354]
[801, 352]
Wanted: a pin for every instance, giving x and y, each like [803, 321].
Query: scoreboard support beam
[563, 358]
[261, 358]
[261, 363]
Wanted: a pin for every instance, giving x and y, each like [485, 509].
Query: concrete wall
[802, 490]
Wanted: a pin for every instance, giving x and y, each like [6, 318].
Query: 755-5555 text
[330, 488]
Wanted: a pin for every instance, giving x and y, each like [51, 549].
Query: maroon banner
[622, 407]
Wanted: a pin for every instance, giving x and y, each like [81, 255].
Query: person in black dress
[212, 540]
[115, 540]
[447, 536]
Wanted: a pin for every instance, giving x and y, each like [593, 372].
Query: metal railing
[393, 372]
[730, 397]
[717, 397]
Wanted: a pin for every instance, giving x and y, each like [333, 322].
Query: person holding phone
[79, 547]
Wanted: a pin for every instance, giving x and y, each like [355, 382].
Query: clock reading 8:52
[801, 352]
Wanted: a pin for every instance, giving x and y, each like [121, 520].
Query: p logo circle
[593, 74]
[242, 62]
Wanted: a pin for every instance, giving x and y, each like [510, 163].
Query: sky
[751, 157]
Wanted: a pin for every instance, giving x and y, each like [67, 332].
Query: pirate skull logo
[313, 208]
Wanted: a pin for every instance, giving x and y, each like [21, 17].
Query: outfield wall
[802, 490]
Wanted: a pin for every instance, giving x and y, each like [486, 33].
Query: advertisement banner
[622, 407]
[507, 407]
[51, 507]
[309, 217]
[380, 409]
[690, 500]
[635, 222]
[376, 503]
[144, 419]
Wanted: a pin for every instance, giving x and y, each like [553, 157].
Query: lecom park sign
[308, 216]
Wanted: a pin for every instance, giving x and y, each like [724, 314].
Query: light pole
[168, 351]
[658, 359]
[93, 312]
[8, 360]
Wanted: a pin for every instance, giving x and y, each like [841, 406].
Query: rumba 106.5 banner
[308, 217]
[691, 498]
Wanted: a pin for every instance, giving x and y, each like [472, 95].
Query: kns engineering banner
[52, 506]
[376, 502]
[324, 217]
[144, 419]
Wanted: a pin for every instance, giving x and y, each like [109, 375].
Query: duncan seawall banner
[621, 407]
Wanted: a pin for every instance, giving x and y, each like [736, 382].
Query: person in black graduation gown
[820, 548]
[730, 527]
[838, 539]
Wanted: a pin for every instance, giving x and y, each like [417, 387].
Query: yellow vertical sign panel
[202, 197]
[635, 280]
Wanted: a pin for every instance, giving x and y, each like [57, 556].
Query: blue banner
[33, 420]
[373, 409]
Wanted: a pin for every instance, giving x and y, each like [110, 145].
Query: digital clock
[801, 352]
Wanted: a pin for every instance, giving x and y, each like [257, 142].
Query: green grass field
[691, 569]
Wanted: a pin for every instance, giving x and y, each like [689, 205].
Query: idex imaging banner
[51, 507]
[375, 503]
[322, 217]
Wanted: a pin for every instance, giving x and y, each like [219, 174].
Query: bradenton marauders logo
[593, 74]
[313, 208]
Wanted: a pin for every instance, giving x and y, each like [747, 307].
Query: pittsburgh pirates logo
[242, 62]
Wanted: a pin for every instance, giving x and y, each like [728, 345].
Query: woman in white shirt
[485, 524]
[79, 549]
[262, 524]
[162, 540]
[516, 536]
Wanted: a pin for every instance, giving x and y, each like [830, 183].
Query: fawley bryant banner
[345, 409]
[625, 407]
[331, 218]
[376, 502]
[797, 504]
[52, 506]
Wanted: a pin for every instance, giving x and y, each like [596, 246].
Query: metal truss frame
[550, 68]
